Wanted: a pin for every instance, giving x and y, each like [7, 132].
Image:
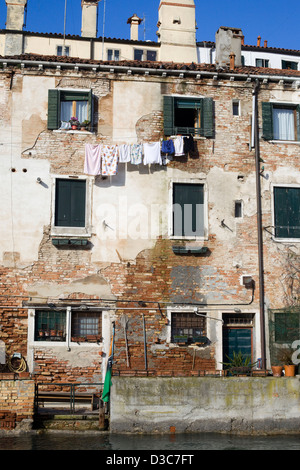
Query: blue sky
[270, 19]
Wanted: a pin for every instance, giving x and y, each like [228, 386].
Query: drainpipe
[259, 227]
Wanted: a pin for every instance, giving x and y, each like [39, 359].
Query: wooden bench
[56, 397]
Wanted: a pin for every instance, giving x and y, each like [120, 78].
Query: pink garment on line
[92, 162]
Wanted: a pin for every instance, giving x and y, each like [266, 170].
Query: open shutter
[169, 115]
[90, 107]
[53, 109]
[207, 118]
[267, 118]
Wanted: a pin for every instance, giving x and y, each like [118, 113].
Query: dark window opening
[238, 209]
[188, 328]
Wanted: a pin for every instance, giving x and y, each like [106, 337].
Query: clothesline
[103, 159]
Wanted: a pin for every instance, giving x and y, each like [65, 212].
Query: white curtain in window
[81, 110]
[65, 111]
[283, 124]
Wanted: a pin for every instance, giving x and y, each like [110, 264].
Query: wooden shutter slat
[53, 109]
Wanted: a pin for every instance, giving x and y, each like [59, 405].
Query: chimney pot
[266, 44]
[258, 41]
[232, 61]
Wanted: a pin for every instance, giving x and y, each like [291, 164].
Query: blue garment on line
[168, 147]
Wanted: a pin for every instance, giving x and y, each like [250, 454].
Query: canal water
[166, 443]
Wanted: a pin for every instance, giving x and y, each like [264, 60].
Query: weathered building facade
[172, 221]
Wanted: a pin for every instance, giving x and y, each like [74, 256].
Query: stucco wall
[247, 405]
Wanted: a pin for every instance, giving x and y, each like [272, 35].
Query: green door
[235, 340]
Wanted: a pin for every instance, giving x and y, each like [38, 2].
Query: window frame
[205, 209]
[184, 310]
[144, 54]
[267, 120]
[57, 230]
[113, 54]
[54, 105]
[265, 62]
[69, 311]
[276, 237]
[285, 62]
[205, 105]
[67, 48]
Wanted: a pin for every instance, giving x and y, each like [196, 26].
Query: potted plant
[239, 364]
[284, 356]
[84, 125]
[74, 122]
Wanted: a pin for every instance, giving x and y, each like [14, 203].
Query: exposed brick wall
[16, 402]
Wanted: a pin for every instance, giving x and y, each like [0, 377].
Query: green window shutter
[188, 209]
[168, 115]
[267, 118]
[207, 118]
[287, 212]
[53, 109]
[90, 107]
[70, 199]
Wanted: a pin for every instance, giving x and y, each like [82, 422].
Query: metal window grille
[87, 325]
[187, 327]
[238, 319]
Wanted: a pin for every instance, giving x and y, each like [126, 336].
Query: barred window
[50, 325]
[87, 325]
[187, 327]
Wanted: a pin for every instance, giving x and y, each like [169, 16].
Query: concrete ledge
[241, 405]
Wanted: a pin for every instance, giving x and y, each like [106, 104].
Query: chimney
[15, 14]
[228, 41]
[14, 44]
[266, 44]
[134, 22]
[232, 61]
[258, 41]
[89, 18]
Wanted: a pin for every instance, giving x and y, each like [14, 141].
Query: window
[61, 50]
[86, 325]
[113, 54]
[286, 327]
[64, 104]
[281, 122]
[188, 116]
[287, 64]
[287, 212]
[188, 210]
[70, 203]
[51, 325]
[262, 63]
[238, 209]
[235, 107]
[187, 327]
[141, 54]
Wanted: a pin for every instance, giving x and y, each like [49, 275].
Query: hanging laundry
[109, 160]
[178, 144]
[167, 146]
[152, 153]
[124, 153]
[188, 144]
[136, 154]
[92, 162]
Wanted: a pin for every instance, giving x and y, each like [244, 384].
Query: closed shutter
[298, 121]
[53, 109]
[207, 118]
[90, 107]
[267, 118]
[188, 209]
[70, 203]
[169, 115]
[287, 212]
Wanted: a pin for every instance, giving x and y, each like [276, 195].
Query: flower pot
[74, 127]
[290, 370]
[277, 371]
